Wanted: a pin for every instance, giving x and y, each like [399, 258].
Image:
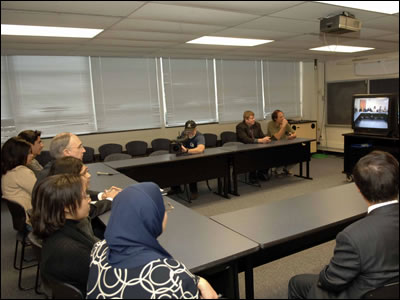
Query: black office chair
[53, 289]
[211, 140]
[44, 157]
[37, 249]
[228, 136]
[19, 224]
[108, 149]
[136, 148]
[159, 152]
[160, 144]
[88, 156]
[63, 290]
[117, 156]
[388, 291]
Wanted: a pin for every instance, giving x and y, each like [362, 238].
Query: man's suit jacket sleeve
[99, 208]
[242, 135]
[344, 266]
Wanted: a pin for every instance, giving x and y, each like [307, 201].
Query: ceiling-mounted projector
[342, 23]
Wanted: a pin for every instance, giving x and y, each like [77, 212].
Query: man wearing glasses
[68, 144]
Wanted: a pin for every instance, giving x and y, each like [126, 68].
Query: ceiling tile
[146, 36]
[389, 23]
[132, 43]
[312, 11]
[253, 7]
[101, 8]
[177, 13]
[282, 25]
[253, 34]
[390, 37]
[56, 19]
[165, 26]
[115, 48]
[40, 40]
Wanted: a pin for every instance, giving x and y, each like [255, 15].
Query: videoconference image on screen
[371, 112]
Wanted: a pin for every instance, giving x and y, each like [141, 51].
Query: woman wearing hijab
[130, 263]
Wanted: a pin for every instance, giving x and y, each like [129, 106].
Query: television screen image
[372, 113]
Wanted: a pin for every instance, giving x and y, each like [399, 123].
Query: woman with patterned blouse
[130, 263]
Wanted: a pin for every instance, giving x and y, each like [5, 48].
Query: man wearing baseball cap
[194, 144]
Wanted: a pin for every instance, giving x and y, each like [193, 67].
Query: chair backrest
[159, 152]
[388, 291]
[44, 157]
[211, 140]
[107, 149]
[117, 156]
[231, 144]
[160, 144]
[63, 290]
[17, 214]
[88, 156]
[228, 136]
[136, 148]
[36, 244]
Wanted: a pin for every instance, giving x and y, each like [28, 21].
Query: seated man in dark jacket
[366, 255]
[249, 132]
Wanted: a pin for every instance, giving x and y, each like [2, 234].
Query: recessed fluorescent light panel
[228, 41]
[386, 7]
[49, 31]
[339, 48]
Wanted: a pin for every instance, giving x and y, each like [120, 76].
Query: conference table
[103, 177]
[170, 169]
[221, 246]
[288, 226]
[251, 157]
[204, 246]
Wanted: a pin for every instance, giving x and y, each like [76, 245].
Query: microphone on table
[104, 173]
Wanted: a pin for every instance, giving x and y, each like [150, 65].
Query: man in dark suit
[249, 132]
[366, 255]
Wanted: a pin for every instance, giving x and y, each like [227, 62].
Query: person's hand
[206, 290]
[284, 123]
[184, 149]
[266, 139]
[111, 192]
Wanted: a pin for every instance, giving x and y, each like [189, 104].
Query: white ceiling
[162, 28]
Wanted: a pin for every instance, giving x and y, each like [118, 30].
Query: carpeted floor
[270, 280]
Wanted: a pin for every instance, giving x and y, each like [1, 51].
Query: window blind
[282, 88]
[50, 93]
[125, 93]
[239, 89]
[189, 91]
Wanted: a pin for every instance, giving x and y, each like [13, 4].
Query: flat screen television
[375, 114]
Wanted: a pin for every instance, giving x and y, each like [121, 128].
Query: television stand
[359, 145]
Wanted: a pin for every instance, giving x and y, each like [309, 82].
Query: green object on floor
[319, 155]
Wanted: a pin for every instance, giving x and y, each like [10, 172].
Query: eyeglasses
[168, 206]
[77, 147]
